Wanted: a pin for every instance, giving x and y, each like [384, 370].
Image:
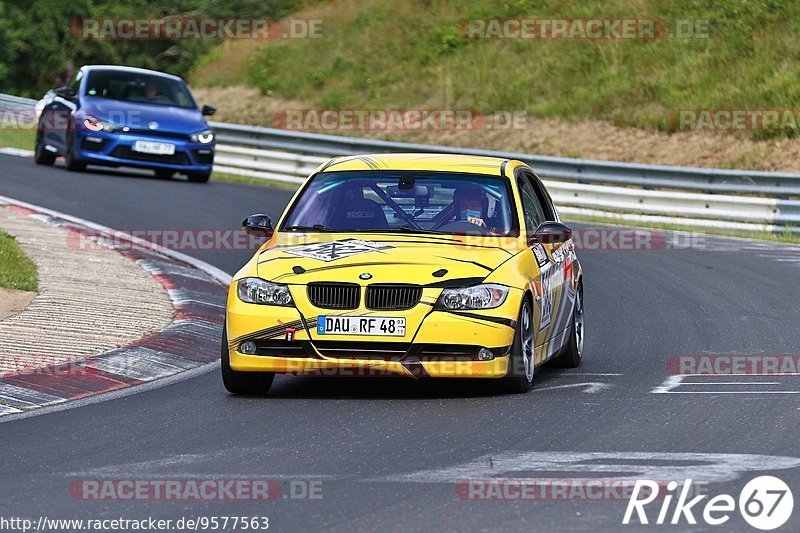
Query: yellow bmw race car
[417, 265]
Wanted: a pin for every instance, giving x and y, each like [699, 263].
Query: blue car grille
[156, 133]
[125, 152]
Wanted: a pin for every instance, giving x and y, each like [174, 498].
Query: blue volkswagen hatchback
[122, 116]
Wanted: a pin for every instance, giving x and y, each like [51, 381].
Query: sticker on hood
[333, 250]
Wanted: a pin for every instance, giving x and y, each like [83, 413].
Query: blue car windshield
[440, 202]
[138, 87]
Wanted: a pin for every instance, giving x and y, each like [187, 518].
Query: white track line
[19, 152]
[733, 392]
[687, 383]
[211, 270]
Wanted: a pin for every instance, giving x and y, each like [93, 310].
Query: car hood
[139, 116]
[431, 260]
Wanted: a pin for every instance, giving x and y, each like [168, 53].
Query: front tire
[199, 177]
[41, 155]
[70, 159]
[244, 383]
[573, 352]
[521, 361]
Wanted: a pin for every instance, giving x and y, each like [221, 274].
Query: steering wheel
[462, 227]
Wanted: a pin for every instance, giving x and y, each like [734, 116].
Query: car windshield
[414, 202]
[138, 87]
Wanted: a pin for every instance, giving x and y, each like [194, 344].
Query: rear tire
[41, 155]
[244, 383]
[519, 379]
[572, 355]
[199, 177]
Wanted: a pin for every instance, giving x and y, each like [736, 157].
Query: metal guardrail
[609, 172]
[15, 102]
[701, 197]
[267, 164]
[732, 199]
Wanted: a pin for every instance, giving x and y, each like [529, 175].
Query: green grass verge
[234, 178]
[17, 138]
[17, 271]
[786, 236]
[741, 55]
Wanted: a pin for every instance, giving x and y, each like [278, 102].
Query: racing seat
[360, 213]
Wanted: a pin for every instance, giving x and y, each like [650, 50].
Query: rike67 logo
[765, 503]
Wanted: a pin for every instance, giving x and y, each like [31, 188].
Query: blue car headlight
[93, 124]
[204, 137]
[261, 291]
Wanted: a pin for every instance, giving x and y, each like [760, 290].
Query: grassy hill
[414, 54]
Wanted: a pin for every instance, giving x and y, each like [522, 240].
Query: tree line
[41, 44]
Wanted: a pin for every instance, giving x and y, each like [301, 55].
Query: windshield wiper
[409, 229]
[315, 227]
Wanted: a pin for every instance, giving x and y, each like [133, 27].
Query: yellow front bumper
[254, 322]
[496, 368]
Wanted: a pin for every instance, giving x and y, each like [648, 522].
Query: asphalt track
[383, 449]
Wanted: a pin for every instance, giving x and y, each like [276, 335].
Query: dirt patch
[13, 301]
[547, 136]
[91, 299]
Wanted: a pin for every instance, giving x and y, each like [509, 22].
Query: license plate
[149, 147]
[361, 325]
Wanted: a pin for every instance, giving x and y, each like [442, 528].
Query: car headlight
[486, 296]
[93, 124]
[260, 291]
[203, 137]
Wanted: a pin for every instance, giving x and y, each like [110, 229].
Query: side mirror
[208, 110]
[258, 226]
[551, 233]
[67, 93]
